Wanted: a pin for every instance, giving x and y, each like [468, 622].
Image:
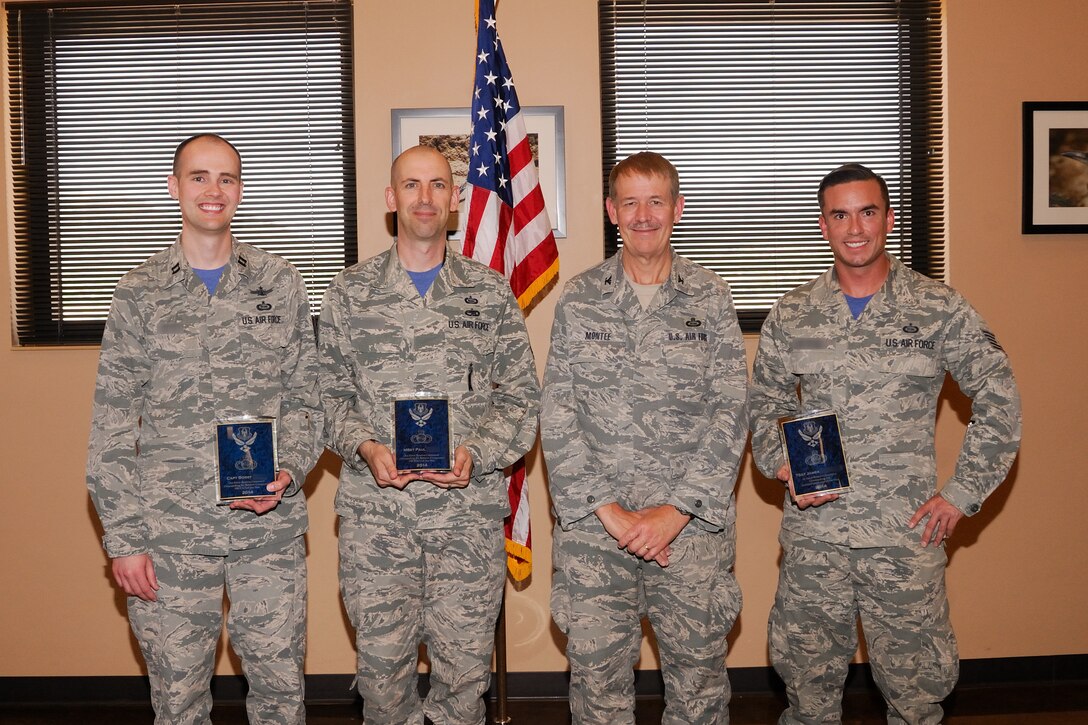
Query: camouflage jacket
[173, 361]
[882, 375]
[379, 339]
[645, 408]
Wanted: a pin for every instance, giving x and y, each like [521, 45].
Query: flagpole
[501, 716]
[507, 229]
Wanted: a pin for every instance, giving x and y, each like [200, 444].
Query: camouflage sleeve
[577, 488]
[301, 418]
[981, 368]
[509, 428]
[773, 395]
[345, 428]
[705, 490]
[123, 369]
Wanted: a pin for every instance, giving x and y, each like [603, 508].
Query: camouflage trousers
[266, 624]
[599, 595]
[898, 592]
[442, 587]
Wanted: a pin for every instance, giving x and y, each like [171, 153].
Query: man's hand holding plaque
[457, 477]
[264, 504]
[812, 499]
[815, 461]
[379, 458]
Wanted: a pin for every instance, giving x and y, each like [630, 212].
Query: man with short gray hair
[643, 426]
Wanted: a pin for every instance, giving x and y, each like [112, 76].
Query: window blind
[754, 102]
[100, 96]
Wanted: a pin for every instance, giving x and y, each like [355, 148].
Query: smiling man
[421, 551]
[871, 341]
[206, 330]
[643, 426]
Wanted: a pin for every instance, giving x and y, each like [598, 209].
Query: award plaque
[813, 448]
[421, 433]
[245, 458]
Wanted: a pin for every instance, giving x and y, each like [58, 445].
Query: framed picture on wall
[448, 130]
[1055, 167]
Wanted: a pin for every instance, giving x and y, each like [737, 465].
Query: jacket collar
[455, 273]
[894, 293]
[178, 268]
[614, 285]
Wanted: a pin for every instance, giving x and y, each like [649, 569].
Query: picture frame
[1055, 185]
[449, 130]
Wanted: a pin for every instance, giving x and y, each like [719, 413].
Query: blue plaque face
[814, 450]
[421, 433]
[245, 453]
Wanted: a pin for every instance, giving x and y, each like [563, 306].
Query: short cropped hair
[645, 163]
[215, 136]
[848, 173]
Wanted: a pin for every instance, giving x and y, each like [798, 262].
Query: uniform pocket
[913, 364]
[560, 596]
[812, 362]
[687, 365]
[728, 599]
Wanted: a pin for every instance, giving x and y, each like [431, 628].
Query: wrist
[604, 511]
[683, 512]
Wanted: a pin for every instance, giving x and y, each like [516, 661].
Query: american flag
[507, 227]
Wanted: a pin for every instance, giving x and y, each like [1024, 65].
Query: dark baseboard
[1037, 676]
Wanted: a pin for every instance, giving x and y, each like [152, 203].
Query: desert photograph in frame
[1055, 191]
[449, 130]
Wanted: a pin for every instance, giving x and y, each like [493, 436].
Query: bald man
[421, 552]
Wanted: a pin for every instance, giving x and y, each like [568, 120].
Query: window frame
[919, 237]
[41, 307]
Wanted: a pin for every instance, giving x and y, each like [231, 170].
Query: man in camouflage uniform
[643, 426]
[205, 330]
[421, 554]
[871, 340]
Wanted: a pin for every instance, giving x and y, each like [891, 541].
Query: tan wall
[1016, 575]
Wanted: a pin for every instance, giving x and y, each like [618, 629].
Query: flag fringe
[519, 560]
[538, 285]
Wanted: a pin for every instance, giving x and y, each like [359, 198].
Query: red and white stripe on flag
[516, 241]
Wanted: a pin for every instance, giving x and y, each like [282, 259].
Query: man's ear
[611, 208]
